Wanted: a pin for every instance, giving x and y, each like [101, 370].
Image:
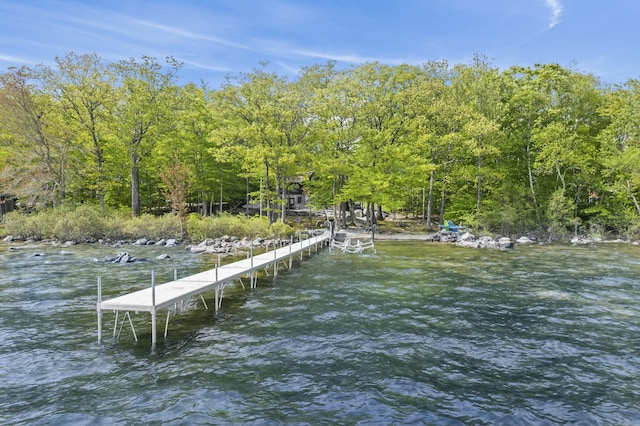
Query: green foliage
[279, 230]
[200, 228]
[87, 223]
[29, 226]
[560, 215]
[77, 224]
[490, 148]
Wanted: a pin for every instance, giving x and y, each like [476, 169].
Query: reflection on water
[417, 333]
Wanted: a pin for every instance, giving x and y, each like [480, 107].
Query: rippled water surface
[414, 334]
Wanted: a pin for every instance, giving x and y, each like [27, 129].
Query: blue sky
[215, 38]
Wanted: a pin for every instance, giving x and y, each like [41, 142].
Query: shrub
[200, 228]
[279, 229]
[28, 226]
[151, 227]
[85, 222]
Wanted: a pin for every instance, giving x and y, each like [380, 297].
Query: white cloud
[188, 34]
[556, 11]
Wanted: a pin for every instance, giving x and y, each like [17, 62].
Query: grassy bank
[88, 224]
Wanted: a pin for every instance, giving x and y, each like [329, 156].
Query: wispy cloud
[352, 59]
[188, 34]
[200, 65]
[556, 12]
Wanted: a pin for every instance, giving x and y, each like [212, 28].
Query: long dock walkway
[173, 294]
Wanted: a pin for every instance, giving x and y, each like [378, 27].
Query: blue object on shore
[452, 227]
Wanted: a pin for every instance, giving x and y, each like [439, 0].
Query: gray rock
[171, 242]
[123, 257]
[140, 242]
[524, 240]
[163, 256]
[580, 240]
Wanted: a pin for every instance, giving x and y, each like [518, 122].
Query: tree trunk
[531, 188]
[246, 211]
[352, 209]
[99, 165]
[220, 189]
[266, 188]
[432, 178]
[479, 187]
[135, 187]
[443, 197]
[334, 193]
[285, 203]
[633, 197]
[213, 199]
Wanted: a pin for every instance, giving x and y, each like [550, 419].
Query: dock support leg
[99, 308]
[275, 260]
[166, 325]
[115, 325]
[153, 308]
[216, 300]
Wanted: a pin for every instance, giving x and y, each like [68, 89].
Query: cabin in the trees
[297, 198]
[8, 203]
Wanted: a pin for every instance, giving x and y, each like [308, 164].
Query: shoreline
[354, 233]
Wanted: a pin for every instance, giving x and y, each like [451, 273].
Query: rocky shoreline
[223, 246]
[231, 245]
[468, 240]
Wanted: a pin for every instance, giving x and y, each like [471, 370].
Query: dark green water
[415, 334]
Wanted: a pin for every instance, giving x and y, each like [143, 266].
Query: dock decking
[172, 294]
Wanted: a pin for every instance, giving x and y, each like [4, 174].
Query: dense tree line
[544, 148]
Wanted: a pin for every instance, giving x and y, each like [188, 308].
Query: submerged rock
[122, 257]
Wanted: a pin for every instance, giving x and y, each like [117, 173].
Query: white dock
[174, 294]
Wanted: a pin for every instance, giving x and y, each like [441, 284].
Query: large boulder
[197, 249]
[122, 257]
[525, 240]
[469, 240]
[141, 242]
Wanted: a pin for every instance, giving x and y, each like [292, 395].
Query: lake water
[417, 333]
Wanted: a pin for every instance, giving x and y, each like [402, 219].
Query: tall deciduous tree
[268, 122]
[145, 111]
[478, 89]
[84, 90]
[386, 167]
[42, 158]
[621, 143]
